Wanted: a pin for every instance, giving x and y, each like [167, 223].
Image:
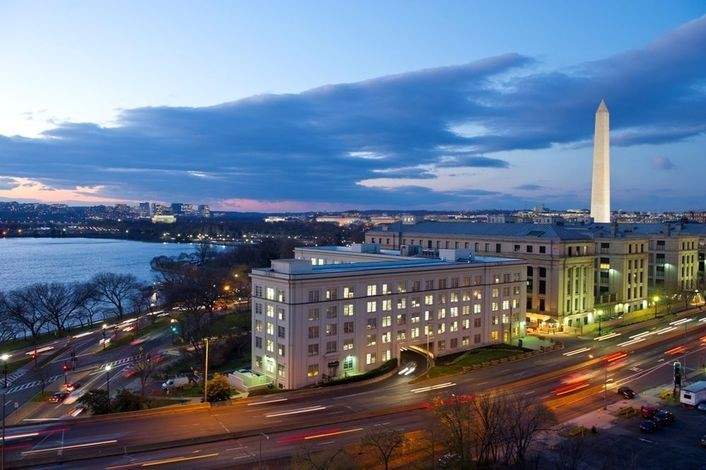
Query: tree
[384, 442]
[8, 328]
[308, 459]
[58, 302]
[18, 307]
[144, 366]
[125, 400]
[116, 289]
[218, 388]
[529, 418]
[97, 401]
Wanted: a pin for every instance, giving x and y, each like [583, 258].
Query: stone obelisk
[600, 188]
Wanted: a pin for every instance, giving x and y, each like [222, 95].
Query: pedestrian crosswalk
[34, 383]
[11, 378]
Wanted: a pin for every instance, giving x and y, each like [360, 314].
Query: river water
[25, 261]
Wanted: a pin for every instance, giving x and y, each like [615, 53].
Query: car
[408, 368]
[58, 397]
[627, 393]
[72, 386]
[648, 426]
[702, 441]
[664, 416]
[647, 411]
[701, 406]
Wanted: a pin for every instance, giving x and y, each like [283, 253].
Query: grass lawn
[454, 364]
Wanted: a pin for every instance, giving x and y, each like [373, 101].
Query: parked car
[648, 426]
[627, 393]
[175, 382]
[647, 411]
[701, 406]
[664, 416]
[702, 441]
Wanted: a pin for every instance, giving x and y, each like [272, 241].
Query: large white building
[339, 311]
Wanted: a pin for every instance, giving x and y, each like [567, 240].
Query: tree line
[37, 309]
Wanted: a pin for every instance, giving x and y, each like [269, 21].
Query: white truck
[175, 383]
[693, 394]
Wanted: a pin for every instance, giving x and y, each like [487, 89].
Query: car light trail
[21, 436]
[40, 350]
[296, 412]
[278, 400]
[631, 342]
[81, 335]
[702, 319]
[666, 330]
[644, 334]
[616, 356]
[433, 387]
[681, 322]
[75, 446]
[333, 433]
[570, 388]
[675, 350]
[606, 336]
[153, 463]
[576, 351]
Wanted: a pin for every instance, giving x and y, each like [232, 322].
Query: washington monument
[600, 188]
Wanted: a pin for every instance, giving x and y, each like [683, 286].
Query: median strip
[296, 412]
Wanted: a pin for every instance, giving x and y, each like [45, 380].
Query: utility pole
[259, 458]
[205, 375]
[107, 379]
[4, 358]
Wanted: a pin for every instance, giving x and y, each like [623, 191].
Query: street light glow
[5, 357]
[108, 367]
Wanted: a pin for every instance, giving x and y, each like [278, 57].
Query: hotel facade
[339, 311]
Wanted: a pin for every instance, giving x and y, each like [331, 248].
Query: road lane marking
[433, 387]
[298, 411]
[333, 433]
[74, 446]
[154, 463]
[631, 342]
[278, 400]
[576, 351]
[606, 336]
[20, 436]
[681, 322]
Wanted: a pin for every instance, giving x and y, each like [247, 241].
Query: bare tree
[144, 366]
[18, 306]
[308, 459]
[455, 415]
[59, 303]
[529, 418]
[385, 442]
[8, 328]
[116, 289]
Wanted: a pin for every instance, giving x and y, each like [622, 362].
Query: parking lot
[621, 444]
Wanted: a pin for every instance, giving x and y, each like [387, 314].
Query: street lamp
[259, 458]
[107, 378]
[4, 359]
[103, 328]
[655, 299]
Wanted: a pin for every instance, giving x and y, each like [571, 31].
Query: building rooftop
[522, 230]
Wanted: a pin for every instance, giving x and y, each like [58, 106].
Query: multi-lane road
[569, 381]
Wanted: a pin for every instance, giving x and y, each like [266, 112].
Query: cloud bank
[384, 142]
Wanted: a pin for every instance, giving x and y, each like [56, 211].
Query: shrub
[125, 400]
[218, 388]
[97, 401]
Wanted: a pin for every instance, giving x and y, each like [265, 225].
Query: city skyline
[506, 126]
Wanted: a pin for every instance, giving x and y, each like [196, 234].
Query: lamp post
[107, 378]
[103, 328]
[4, 359]
[259, 458]
[205, 375]
[655, 299]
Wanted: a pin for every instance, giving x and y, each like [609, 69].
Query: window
[258, 308]
[270, 328]
[372, 307]
[280, 349]
[386, 305]
[542, 272]
[453, 312]
[331, 329]
[313, 350]
[495, 292]
[313, 332]
[372, 290]
[348, 293]
[498, 247]
[506, 304]
[312, 370]
[270, 311]
[429, 285]
[401, 319]
[331, 311]
[331, 347]
[372, 323]
[349, 327]
[313, 296]
[313, 314]
[280, 314]
[258, 342]
[386, 337]
[401, 335]
[495, 307]
[270, 345]
[428, 300]
[258, 326]
[280, 332]
[530, 248]
[476, 308]
[331, 294]
[371, 340]
[386, 289]
[386, 320]
[370, 358]
[347, 345]
[270, 293]
[476, 322]
[516, 248]
[494, 335]
[348, 310]
[414, 333]
[542, 249]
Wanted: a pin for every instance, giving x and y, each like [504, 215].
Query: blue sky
[335, 105]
